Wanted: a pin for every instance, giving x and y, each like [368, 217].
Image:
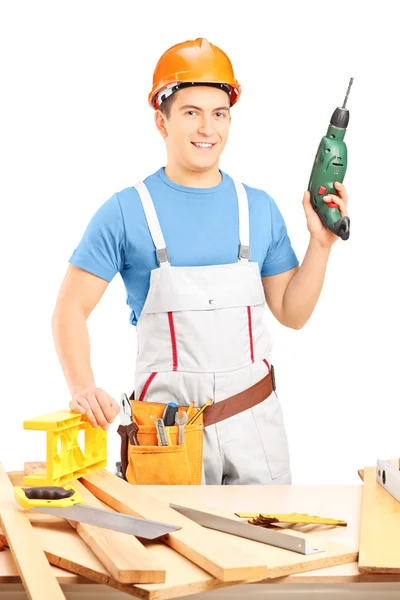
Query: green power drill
[329, 166]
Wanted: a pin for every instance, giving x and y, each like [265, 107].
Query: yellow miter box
[65, 459]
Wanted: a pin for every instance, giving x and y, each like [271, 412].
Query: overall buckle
[162, 255]
[244, 252]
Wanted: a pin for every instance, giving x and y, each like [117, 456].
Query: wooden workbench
[341, 502]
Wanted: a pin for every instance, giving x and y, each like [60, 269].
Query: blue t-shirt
[200, 227]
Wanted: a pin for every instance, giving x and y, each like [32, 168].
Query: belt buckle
[273, 380]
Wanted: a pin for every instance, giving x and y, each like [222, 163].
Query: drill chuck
[340, 118]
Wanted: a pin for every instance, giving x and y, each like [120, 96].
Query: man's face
[198, 126]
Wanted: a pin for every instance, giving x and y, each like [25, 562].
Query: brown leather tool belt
[239, 402]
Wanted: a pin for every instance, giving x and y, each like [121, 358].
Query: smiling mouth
[203, 145]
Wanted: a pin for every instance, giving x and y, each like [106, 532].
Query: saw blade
[108, 519]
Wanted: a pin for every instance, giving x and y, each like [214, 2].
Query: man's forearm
[304, 288]
[71, 338]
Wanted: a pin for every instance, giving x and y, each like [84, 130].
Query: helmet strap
[175, 87]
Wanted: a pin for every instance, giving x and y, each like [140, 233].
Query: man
[182, 240]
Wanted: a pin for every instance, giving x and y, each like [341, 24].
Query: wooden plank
[225, 560]
[33, 567]
[380, 528]
[126, 559]
[35, 468]
[278, 562]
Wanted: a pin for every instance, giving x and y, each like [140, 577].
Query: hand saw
[251, 532]
[67, 503]
[266, 519]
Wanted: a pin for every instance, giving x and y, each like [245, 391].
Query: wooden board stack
[190, 560]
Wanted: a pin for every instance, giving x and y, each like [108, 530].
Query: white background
[76, 127]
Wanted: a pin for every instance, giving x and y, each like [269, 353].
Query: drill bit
[347, 93]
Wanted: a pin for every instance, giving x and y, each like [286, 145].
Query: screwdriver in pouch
[169, 414]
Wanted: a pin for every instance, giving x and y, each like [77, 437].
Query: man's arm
[79, 293]
[293, 295]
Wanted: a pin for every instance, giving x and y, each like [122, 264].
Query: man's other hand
[98, 407]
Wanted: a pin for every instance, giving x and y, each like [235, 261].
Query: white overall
[201, 335]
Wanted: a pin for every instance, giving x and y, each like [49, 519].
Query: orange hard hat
[192, 62]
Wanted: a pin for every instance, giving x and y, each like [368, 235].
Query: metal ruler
[389, 478]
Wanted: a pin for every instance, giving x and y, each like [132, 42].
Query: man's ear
[160, 121]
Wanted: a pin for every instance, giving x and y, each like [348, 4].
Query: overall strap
[244, 228]
[157, 235]
[153, 223]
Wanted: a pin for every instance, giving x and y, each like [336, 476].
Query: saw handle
[51, 495]
[50, 492]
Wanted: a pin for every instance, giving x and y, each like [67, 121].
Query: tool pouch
[151, 464]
